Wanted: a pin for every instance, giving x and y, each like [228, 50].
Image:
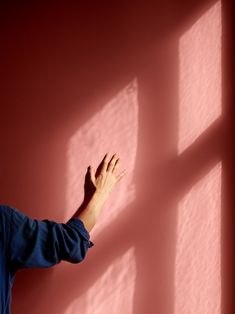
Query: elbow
[78, 254]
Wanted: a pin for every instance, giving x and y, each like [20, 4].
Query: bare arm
[98, 187]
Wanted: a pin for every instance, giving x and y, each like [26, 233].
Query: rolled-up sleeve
[44, 243]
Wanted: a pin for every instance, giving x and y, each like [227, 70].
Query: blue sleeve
[44, 243]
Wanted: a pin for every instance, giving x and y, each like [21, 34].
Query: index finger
[102, 166]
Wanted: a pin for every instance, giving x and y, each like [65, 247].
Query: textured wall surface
[198, 248]
[140, 78]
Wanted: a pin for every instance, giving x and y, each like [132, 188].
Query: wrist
[97, 200]
[89, 212]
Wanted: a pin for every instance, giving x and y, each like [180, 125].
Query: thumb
[92, 174]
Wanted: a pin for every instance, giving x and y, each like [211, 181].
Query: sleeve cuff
[78, 223]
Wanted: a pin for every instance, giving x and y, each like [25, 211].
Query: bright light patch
[113, 129]
[113, 291]
[198, 247]
[199, 77]
[197, 266]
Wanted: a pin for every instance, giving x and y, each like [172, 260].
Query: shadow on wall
[61, 65]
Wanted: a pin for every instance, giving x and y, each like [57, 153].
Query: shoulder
[5, 219]
[5, 210]
[8, 213]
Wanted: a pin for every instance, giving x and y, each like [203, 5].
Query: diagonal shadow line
[193, 163]
[200, 160]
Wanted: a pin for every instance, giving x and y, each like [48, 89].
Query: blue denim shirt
[30, 243]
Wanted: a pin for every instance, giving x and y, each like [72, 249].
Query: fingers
[110, 166]
[104, 164]
[116, 165]
[121, 175]
[112, 163]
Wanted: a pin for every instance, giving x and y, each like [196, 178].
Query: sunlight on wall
[197, 276]
[113, 129]
[113, 291]
[200, 77]
[198, 247]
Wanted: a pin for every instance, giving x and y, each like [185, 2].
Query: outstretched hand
[103, 180]
[98, 186]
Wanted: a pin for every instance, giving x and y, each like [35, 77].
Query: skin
[97, 188]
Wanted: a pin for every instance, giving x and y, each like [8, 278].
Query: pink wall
[142, 80]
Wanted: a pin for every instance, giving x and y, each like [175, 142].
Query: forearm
[89, 213]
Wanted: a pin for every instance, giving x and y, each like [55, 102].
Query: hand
[104, 179]
[98, 186]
